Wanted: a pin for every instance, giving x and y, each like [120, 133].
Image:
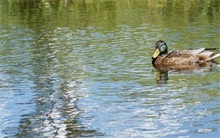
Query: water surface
[83, 69]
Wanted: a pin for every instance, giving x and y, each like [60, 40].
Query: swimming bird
[182, 59]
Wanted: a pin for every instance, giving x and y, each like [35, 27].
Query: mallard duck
[182, 59]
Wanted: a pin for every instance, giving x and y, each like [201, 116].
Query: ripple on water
[94, 82]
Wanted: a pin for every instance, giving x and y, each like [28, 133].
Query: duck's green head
[161, 49]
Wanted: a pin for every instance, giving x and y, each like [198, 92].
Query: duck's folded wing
[205, 55]
[197, 51]
[202, 54]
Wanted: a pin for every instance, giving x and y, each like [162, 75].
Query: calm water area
[82, 68]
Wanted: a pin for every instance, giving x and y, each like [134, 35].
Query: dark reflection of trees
[37, 13]
[90, 12]
[107, 13]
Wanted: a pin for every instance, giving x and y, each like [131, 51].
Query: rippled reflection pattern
[87, 72]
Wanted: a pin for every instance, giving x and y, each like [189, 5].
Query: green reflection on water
[107, 13]
[102, 41]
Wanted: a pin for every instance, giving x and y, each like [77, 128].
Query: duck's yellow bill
[156, 54]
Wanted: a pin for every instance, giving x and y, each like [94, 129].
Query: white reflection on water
[156, 112]
[4, 99]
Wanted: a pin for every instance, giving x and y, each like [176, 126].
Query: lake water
[83, 69]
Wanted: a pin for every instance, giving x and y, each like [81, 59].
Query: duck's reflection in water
[161, 76]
